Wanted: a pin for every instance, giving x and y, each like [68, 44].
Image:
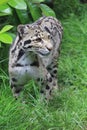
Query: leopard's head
[33, 38]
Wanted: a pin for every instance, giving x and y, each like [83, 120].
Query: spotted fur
[34, 54]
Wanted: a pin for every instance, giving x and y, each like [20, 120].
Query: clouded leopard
[34, 55]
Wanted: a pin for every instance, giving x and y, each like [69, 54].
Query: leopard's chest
[26, 59]
[28, 66]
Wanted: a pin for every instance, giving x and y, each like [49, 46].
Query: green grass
[68, 109]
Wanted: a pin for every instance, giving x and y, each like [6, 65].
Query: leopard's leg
[16, 89]
[53, 70]
[49, 82]
[51, 85]
[48, 85]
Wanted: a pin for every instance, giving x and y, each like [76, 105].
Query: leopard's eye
[38, 39]
[47, 29]
[27, 42]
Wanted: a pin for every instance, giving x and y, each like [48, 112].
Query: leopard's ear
[22, 29]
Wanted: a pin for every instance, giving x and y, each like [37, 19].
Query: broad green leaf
[47, 11]
[18, 4]
[23, 16]
[37, 1]
[5, 38]
[6, 28]
[5, 10]
[3, 1]
[34, 10]
[3, 14]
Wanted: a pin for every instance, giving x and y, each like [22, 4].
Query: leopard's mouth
[41, 51]
[44, 53]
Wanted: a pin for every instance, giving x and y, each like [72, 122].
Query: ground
[68, 109]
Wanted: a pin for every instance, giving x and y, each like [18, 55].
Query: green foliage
[37, 1]
[47, 11]
[18, 4]
[23, 16]
[4, 36]
[5, 10]
[3, 1]
[22, 11]
[64, 8]
[6, 28]
[35, 8]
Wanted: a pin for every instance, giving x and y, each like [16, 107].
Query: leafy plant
[22, 11]
[5, 37]
[3, 1]
[35, 8]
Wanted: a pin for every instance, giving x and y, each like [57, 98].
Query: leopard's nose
[48, 45]
[49, 48]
